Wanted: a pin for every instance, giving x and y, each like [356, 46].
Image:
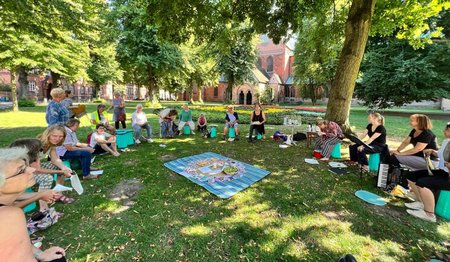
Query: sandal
[94, 169]
[65, 200]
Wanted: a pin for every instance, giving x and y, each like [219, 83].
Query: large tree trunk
[229, 90]
[356, 34]
[23, 82]
[14, 92]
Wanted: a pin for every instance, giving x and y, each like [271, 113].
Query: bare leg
[107, 149]
[415, 189]
[236, 130]
[225, 131]
[427, 198]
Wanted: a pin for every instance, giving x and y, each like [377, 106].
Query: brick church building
[274, 69]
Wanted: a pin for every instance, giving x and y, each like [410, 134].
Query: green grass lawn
[297, 213]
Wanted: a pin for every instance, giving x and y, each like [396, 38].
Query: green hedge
[26, 103]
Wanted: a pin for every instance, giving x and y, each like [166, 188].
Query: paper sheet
[61, 188]
[311, 161]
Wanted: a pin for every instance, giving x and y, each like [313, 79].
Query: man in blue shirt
[56, 113]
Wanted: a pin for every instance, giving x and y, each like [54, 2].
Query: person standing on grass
[73, 149]
[68, 103]
[424, 182]
[257, 120]
[231, 121]
[330, 135]
[103, 142]
[56, 112]
[15, 244]
[139, 121]
[377, 141]
[421, 137]
[186, 117]
[119, 111]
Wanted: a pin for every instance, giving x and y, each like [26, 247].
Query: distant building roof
[289, 81]
[259, 76]
[275, 79]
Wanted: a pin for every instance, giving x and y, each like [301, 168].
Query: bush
[5, 87]
[26, 103]
[99, 101]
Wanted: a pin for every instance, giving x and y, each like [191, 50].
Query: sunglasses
[21, 172]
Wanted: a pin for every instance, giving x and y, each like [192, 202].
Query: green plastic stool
[67, 164]
[443, 205]
[336, 153]
[258, 136]
[186, 130]
[374, 162]
[30, 207]
[231, 133]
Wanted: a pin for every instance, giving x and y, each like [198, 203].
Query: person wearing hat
[99, 117]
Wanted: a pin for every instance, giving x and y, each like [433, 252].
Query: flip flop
[65, 200]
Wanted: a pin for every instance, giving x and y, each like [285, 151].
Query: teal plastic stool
[374, 162]
[213, 132]
[67, 164]
[259, 136]
[336, 153]
[186, 130]
[443, 205]
[124, 138]
[30, 207]
[231, 133]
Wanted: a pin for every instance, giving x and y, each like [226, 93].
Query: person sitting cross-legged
[103, 142]
[139, 121]
[330, 134]
[422, 182]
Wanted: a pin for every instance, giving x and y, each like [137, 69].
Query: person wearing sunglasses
[15, 244]
[424, 182]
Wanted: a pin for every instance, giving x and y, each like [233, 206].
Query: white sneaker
[193, 132]
[422, 215]
[414, 205]
[150, 140]
[137, 141]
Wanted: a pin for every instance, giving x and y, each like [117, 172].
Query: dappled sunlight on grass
[197, 230]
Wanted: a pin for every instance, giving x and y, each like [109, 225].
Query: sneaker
[414, 205]
[137, 141]
[89, 177]
[193, 132]
[237, 138]
[422, 215]
[150, 140]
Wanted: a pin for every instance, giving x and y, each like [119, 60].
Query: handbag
[121, 117]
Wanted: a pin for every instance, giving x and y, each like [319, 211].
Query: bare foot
[116, 154]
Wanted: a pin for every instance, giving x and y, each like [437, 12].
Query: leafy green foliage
[394, 74]
[26, 103]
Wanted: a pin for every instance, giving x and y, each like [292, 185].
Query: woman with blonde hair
[51, 138]
[421, 137]
[15, 243]
[376, 132]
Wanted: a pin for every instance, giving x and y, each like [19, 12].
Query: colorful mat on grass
[220, 175]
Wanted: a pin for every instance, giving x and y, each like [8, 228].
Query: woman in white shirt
[139, 121]
[422, 182]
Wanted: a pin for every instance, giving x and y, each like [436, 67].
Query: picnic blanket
[209, 171]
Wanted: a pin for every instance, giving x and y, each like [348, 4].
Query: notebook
[337, 171]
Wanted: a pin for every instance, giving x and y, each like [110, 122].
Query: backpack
[280, 137]
[88, 138]
[299, 136]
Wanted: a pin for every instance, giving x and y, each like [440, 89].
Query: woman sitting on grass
[43, 176]
[257, 121]
[15, 177]
[330, 135]
[422, 182]
[421, 137]
[377, 141]
[53, 137]
[103, 142]
[73, 149]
